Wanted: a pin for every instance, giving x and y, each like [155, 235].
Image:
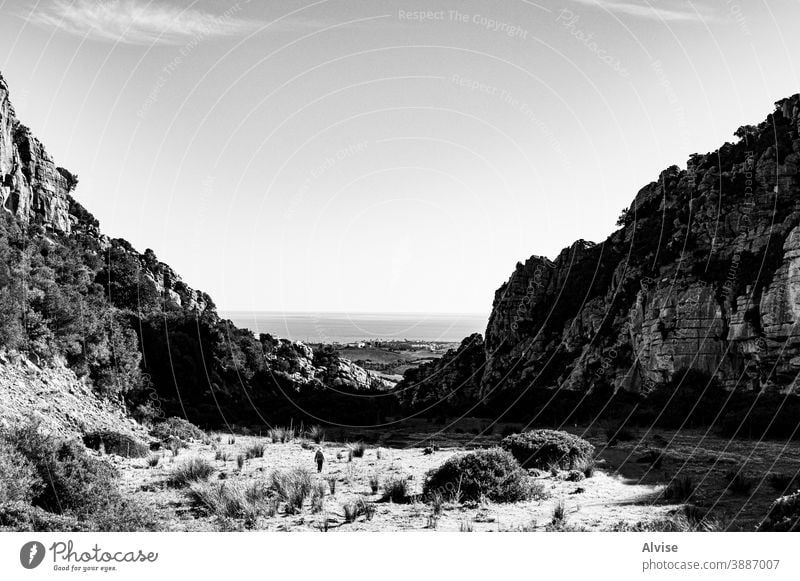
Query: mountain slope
[703, 275]
[127, 327]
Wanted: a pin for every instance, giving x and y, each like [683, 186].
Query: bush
[73, 484]
[545, 448]
[19, 481]
[493, 473]
[783, 515]
[192, 470]
[22, 517]
[358, 449]
[115, 443]
[292, 488]
[153, 460]
[177, 428]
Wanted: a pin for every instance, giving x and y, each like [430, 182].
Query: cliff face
[31, 186]
[703, 274]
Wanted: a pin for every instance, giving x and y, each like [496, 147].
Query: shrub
[19, 481]
[739, 483]
[679, 489]
[177, 428]
[116, 443]
[317, 434]
[153, 460]
[374, 483]
[22, 517]
[395, 490]
[221, 456]
[276, 435]
[193, 470]
[292, 488]
[240, 460]
[256, 450]
[783, 515]
[543, 448]
[73, 483]
[465, 526]
[358, 449]
[493, 473]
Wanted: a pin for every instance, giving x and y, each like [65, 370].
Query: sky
[381, 156]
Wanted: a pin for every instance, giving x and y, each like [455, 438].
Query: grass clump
[192, 470]
[256, 450]
[235, 500]
[358, 449]
[396, 490]
[331, 480]
[153, 460]
[292, 488]
[779, 481]
[545, 448]
[317, 434]
[374, 483]
[240, 460]
[116, 443]
[679, 489]
[493, 474]
[739, 483]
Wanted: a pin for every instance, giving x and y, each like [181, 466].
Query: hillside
[125, 328]
[698, 286]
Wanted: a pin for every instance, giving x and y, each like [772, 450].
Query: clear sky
[343, 155]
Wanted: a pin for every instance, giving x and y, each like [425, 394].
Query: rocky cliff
[703, 274]
[98, 320]
[31, 186]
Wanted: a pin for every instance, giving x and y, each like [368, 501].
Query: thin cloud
[137, 22]
[651, 10]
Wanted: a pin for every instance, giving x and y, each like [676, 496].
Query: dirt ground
[626, 487]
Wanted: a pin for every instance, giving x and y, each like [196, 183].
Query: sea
[355, 327]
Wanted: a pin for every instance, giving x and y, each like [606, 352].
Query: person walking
[319, 457]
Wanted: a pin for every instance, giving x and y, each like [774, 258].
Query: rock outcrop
[55, 396]
[703, 274]
[31, 186]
